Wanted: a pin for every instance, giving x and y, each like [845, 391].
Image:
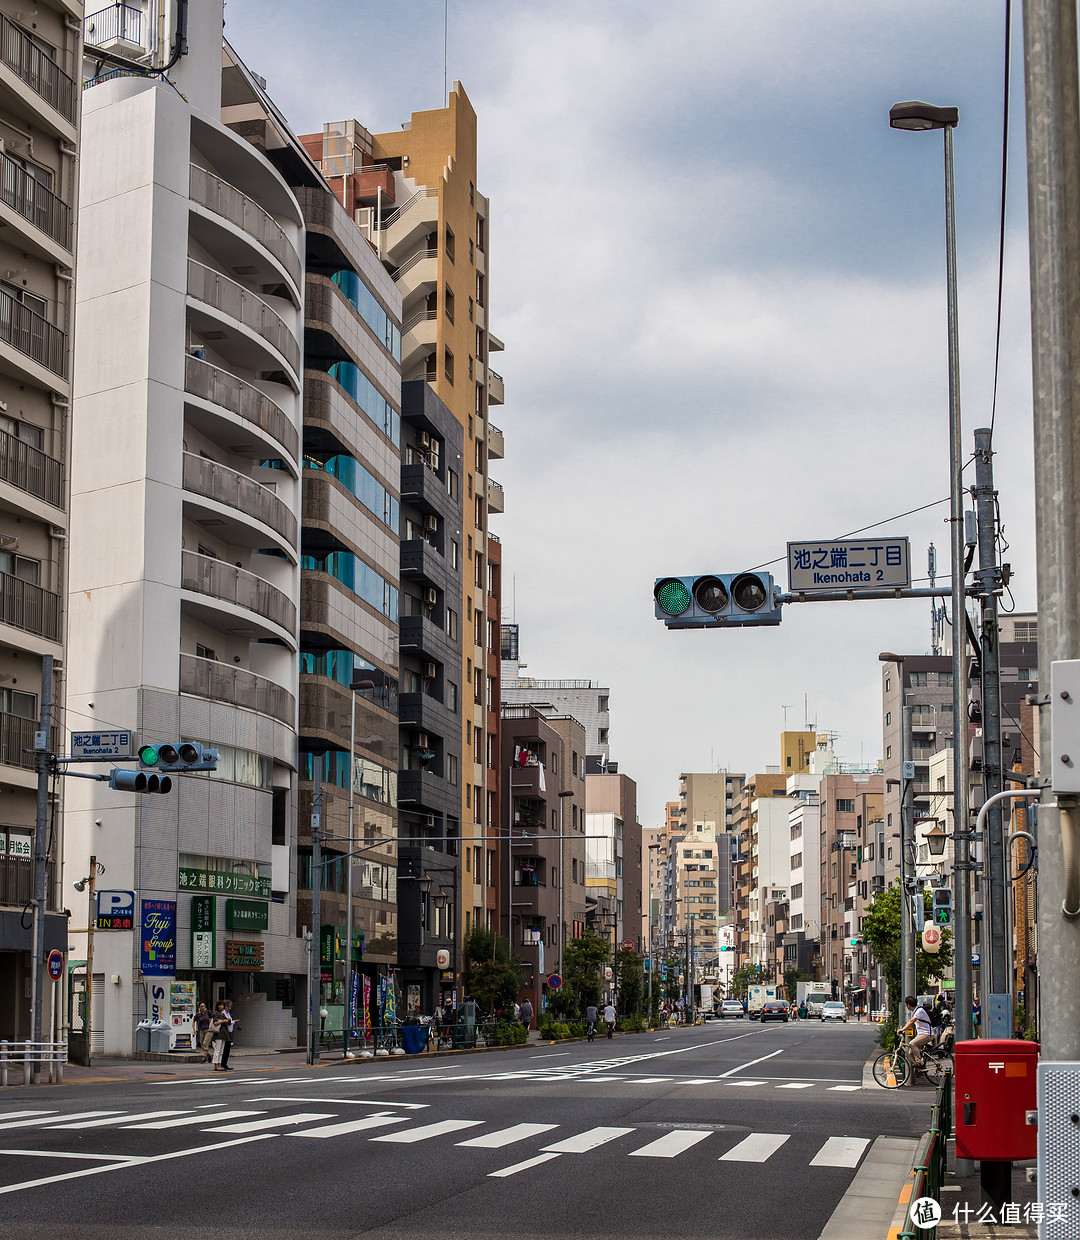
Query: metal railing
[31, 333]
[19, 1059]
[31, 470]
[244, 399]
[410, 263]
[34, 201]
[38, 70]
[407, 205]
[932, 1159]
[203, 574]
[221, 682]
[119, 23]
[235, 490]
[226, 200]
[17, 740]
[206, 284]
[421, 316]
[26, 606]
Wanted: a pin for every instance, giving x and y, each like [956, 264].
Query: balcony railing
[39, 71]
[17, 740]
[393, 216]
[227, 201]
[29, 469]
[30, 199]
[26, 330]
[224, 683]
[17, 880]
[119, 23]
[235, 490]
[421, 316]
[246, 401]
[26, 606]
[206, 284]
[204, 575]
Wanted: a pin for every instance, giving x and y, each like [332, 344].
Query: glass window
[357, 576]
[376, 407]
[365, 486]
[369, 309]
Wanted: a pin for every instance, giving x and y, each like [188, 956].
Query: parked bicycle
[895, 1066]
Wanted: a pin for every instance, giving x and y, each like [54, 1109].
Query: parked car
[775, 1009]
[731, 1007]
[833, 1011]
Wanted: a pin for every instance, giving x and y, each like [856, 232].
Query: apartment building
[186, 437]
[613, 853]
[573, 902]
[804, 885]
[40, 96]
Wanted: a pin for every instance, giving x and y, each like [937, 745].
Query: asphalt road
[728, 1130]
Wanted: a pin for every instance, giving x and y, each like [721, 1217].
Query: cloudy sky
[720, 280]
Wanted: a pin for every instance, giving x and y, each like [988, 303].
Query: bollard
[3, 1062]
[26, 1062]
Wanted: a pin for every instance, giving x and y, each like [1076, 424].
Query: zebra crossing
[389, 1125]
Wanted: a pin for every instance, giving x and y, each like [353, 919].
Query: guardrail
[932, 1160]
[21, 1058]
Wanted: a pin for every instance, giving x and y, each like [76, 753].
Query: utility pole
[988, 577]
[908, 887]
[91, 922]
[43, 762]
[315, 976]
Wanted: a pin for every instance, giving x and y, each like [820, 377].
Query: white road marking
[696, 1080]
[744, 1084]
[193, 1120]
[740, 1067]
[758, 1147]
[6, 1115]
[797, 1085]
[840, 1152]
[54, 1154]
[54, 1117]
[552, 1055]
[671, 1144]
[845, 1088]
[507, 1136]
[351, 1125]
[348, 1102]
[523, 1166]
[275, 1121]
[585, 1141]
[126, 1119]
[429, 1130]
[649, 1080]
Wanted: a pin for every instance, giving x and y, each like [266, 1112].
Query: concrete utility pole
[909, 890]
[43, 762]
[1053, 152]
[315, 975]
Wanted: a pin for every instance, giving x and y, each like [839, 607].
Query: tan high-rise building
[795, 751]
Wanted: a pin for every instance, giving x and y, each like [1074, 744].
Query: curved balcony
[202, 574]
[232, 299]
[222, 682]
[235, 490]
[331, 713]
[219, 387]
[217, 195]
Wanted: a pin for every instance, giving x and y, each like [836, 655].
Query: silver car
[731, 1007]
[833, 1011]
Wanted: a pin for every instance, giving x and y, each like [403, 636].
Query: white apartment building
[770, 863]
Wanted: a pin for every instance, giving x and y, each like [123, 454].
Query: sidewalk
[956, 1194]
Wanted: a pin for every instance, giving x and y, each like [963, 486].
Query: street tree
[583, 963]
[492, 971]
[881, 930]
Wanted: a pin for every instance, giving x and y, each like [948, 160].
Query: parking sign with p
[116, 910]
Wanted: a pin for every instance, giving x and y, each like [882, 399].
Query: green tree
[583, 962]
[631, 992]
[746, 976]
[881, 930]
[792, 978]
[492, 971]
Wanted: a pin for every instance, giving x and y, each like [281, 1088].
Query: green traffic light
[672, 596]
[148, 755]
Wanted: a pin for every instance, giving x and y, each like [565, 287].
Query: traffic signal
[942, 906]
[138, 781]
[183, 756]
[853, 942]
[727, 600]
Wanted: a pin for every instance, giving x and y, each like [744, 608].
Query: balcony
[20, 54]
[420, 790]
[419, 559]
[36, 204]
[419, 333]
[32, 335]
[17, 740]
[422, 711]
[219, 387]
[119, 29]
[496, 445]
[403, 227]
[235, 490]
[232, 299]
[495, 498]
[422, 638]
[424, 489]
[26, 606]
[202, 574]
[419, 273]
[496, 388]
[226, 200]
[221, 682]
[330, 713]
[30, 470]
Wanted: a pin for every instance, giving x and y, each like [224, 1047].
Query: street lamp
[915, 115]
[907, 833]
[935, 840]
[355, 687]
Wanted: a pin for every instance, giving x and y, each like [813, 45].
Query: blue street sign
[976, 960]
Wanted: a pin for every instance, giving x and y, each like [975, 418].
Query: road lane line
[750, 1064]
[507, 1136]
[351, 1125]
[125, 1120]
[671, 1144]
[428, 1130]
[194, 1119]
[758, 1147]
[346, 1102]
[840, 1152]
[744, 1084]
[55, 1154]
[845, 1088]
[797, 1085]
[55, 1117]
[275, 1121]
[523, 1166]
[585, 1141]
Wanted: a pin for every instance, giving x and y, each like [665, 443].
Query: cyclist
[918, 1021]
[591, 1021]
[609, 1018]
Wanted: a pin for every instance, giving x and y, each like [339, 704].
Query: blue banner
[158, 954]
[353, 998]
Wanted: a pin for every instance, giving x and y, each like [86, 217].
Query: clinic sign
[854, 565]
[158, 948]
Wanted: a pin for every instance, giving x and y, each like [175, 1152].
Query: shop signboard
[241, 955]
[247, 915]
[158, 952]
[225, 882]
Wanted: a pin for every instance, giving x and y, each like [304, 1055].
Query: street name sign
[100, 746]
[851, 564]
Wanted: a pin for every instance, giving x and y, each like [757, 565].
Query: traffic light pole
[315, 975]
[908, 938]
[43, 761]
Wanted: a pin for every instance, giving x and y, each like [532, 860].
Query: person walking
[802, 1009]
[591, 1021]
[229, 1040]
[609, 1019]
[219, 1023]
[203, 1032]
[527, 1014]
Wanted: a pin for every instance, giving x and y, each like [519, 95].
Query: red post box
[995, 1087]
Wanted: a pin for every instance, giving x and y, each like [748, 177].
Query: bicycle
[894, 1068]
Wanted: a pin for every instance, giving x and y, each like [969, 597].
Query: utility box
[995, 1089]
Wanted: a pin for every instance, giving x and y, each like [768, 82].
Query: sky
[720, 278]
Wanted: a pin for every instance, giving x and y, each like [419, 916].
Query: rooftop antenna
[785, 709]
[445, 8]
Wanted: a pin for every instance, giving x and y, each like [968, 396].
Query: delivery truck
[758, 996]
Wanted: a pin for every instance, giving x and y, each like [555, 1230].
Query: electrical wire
[1001, 220]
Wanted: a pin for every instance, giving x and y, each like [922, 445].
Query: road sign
[863, 564]
[976, 960]
[56, 965]
[116, 910]
[554, 982]
[100, 746]
[627, 945]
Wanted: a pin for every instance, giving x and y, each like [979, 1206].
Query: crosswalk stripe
[507, 1136]
[699, 1080]
[847, 1089]
[52, 1119]
[671, 1144]
[585, 1141]
[523, 1166]
[840, 1152]
[111, 1120]
[351, 1125]
[186, 1120]
[797, 1085]
[756, 1148]
[6, 1115]
[275, 1121]
[428, 1130]
[649, 1080]
[744, 1084]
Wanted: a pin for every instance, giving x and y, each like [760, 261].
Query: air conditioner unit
[424, 440]
[431, 596]
[429, 671]
[421, 740]
[431, 523]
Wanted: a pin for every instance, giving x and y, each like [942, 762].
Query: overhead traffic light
[725, 600]
[183, 756]
[138, 781]
[942, 906]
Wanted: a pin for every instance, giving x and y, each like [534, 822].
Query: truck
[758, 996]
[804, 989]
[705, 1001]
[817, 998]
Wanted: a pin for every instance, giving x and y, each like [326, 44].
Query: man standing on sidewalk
[526, 1014]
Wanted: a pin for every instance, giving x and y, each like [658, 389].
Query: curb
[900, 1215]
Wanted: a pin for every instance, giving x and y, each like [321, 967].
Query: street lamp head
[887, 656]
[424, 884]
[915, 115]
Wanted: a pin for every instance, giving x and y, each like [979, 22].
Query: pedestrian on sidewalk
[203, 1031]
[218, 1023]
[227, 1012]
[527, 1014]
